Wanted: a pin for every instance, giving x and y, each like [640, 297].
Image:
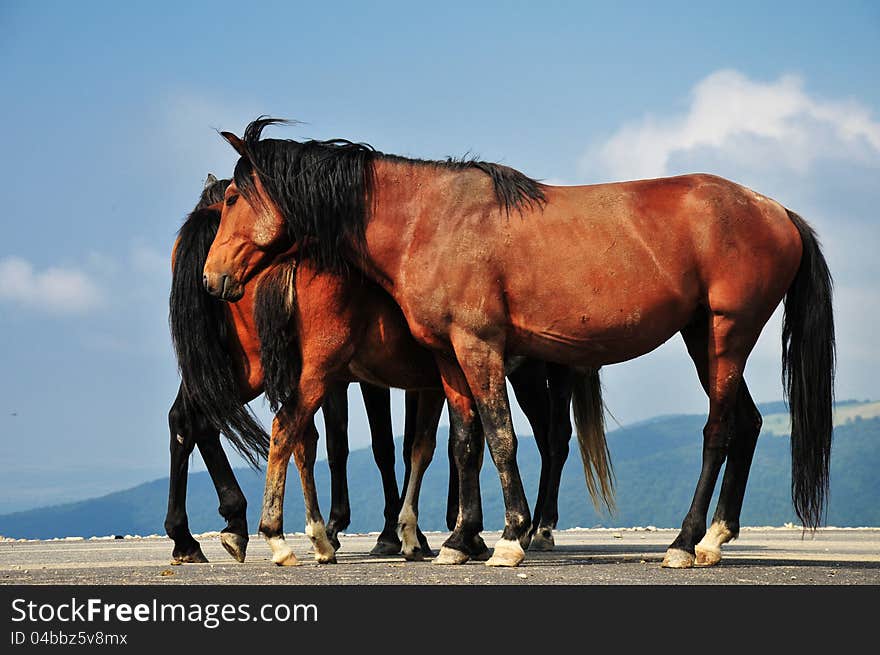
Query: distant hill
[657, 463]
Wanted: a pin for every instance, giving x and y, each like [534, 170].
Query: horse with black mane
[218, 354]
[486, 263]
[228, 354]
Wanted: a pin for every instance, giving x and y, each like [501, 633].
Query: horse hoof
[707, 556]
[415, 555]
[479, 550]
[325, 558]
[677, 559]
[192, 557]
[285, 559]
[386, 548]
[423, 544]
[542, 541]
[235, 545]
[450, 556]
[507, 553]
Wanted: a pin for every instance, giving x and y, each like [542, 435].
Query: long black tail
[589, 420]
[200, 333]
[808, 360]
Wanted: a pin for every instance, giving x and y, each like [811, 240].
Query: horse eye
[231, 200]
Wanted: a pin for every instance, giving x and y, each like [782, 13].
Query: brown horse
[218, 352]
[319, 328]
[344, 330]
[486, 263]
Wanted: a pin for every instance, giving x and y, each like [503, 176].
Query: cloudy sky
[110, 113]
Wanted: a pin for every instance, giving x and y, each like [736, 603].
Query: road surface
[761, 556]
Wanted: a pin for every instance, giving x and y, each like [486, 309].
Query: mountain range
[656, 463]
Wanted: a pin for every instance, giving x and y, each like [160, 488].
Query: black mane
[200, 334]
[324, 188]
[274, 314]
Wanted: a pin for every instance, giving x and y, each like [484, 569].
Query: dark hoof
[386, 547]
[193, 555]
[543, 540]
[235, 545]
[424, 545]
[334, 541]
[333, 536]
[479, 551]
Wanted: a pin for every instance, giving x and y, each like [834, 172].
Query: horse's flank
[639, 258]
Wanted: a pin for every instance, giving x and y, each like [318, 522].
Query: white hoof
[324, 551]
[677, 559]
[406, 531]
[707, 555]
[282, 554]
[449, 557]
[709, 548]
[506, 553]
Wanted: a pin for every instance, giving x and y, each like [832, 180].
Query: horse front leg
[288, 433]
[482, 363]
[424, 439]
[304, 451]
[466, 447]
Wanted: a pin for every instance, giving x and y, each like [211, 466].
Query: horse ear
[235, 142]
[210, 181]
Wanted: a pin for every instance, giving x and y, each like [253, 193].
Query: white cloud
[55, 290]
[740, 121]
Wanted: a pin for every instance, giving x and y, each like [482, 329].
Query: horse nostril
[205, 283]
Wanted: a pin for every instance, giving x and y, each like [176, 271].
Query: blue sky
[110, 111]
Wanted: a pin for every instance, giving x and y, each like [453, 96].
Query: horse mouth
[230, 290]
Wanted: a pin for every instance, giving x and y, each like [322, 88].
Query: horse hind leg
[182, 424]
[377, 402]
[725, 523]
[335, 409]
[428, 407]
[233, 504]
[719, 347]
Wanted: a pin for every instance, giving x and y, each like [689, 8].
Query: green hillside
[656, 462]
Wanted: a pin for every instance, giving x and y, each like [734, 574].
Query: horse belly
[591, 325]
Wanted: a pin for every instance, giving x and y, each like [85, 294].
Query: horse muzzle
[223, 286]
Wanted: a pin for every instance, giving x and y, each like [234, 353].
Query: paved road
[761, 556]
